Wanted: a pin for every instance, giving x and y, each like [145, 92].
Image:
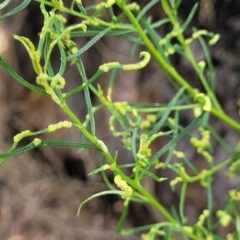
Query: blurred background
[40, 191]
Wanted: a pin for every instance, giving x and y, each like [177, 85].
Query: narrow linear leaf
[88, 45]
[4, 4]
[63, 59]
[182, 202]
[96, 195]
[19, 79]
[48, 64]
[131, 231]
[24, 149]
[81, 69]
[146, 8]
[127, 165]
[190, 17]
[150, 174]
[91, 33]
[16, 10]
[46, 143]
[133, 143]
[211, 72]
[175, 140]
[122, 219]
[100, 169]
[155, 35]
[119, 118]
[159, 23]
[68, 144]
[167, 112]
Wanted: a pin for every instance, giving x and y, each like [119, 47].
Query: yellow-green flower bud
[21, 135]
[102, 145]
[202, 217]
[175, 181]
[133, 7]
[202, 64]
[123, 186]
[224, 218]
[199, 33]
[188, 41]
[58, 82]
[107, 66]
[235, 195]
[151, 118]
[37, 142]
[179, 154]
[214, 39]
[197, 111]
[146, 58]
[230, 236]
[187, 229]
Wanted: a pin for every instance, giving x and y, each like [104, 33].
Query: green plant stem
[150, 198]
[182, 201]
[189, 54]
[168, 68]
[86, 17]
[162, 109]
[225, 118]
[84, 131]
[131, 182]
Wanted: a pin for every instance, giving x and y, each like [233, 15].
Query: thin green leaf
[134, 49]
[46, 143]
[122, 220]
[112, 78]
[190, 17]
[150, 174]
[19, 8]
[182, 202]
[155, 36]
[4, 4]
[103, 193]
[133, 143]
[90, 33]
[5, 156]
[81, 8]
[119, 118]
[48, 65]
[81, 70]
[83, 86]
[100, 169]
[127, 165]
[183, 133]
[211, 71]
[210, 201]
[88, 45]
[146, 8]
[170, 154]
[19, 79]
[104, 175]
[127, 232]
[167, 112]
[93, 32]
[224, 144]
[159, 23]
[63, 59]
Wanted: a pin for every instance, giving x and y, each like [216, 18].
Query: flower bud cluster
[21, 135]
[63, 124]
[123, 186]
